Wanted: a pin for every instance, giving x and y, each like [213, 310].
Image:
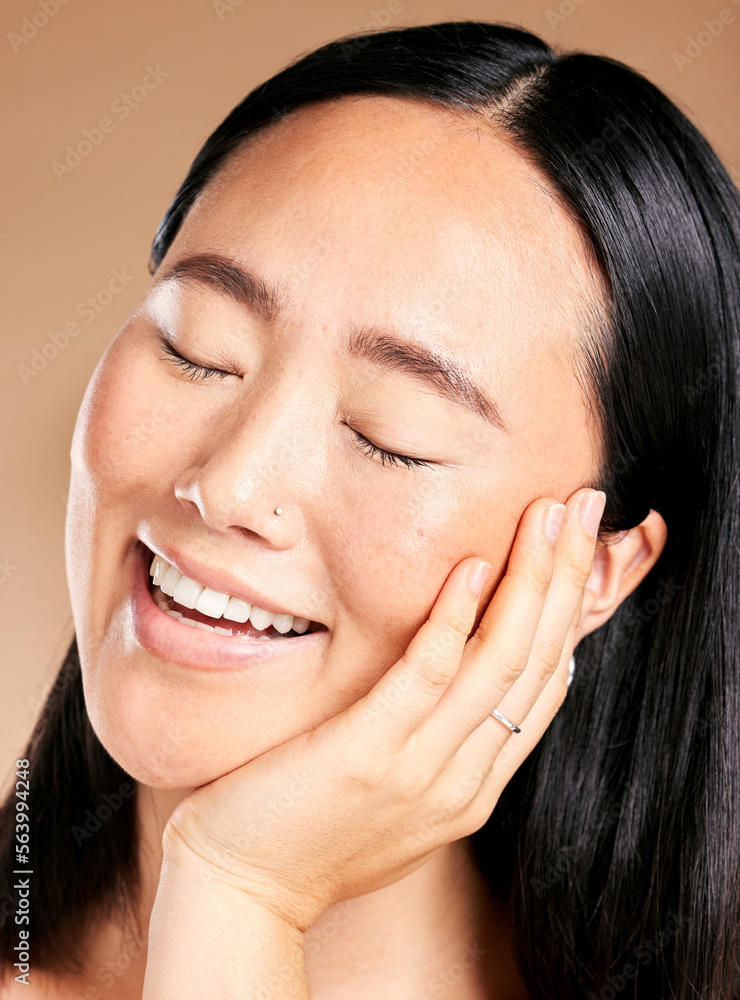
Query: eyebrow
[383, 347]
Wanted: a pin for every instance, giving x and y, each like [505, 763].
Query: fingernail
[554, 517]
[591, 510]
[478, 576]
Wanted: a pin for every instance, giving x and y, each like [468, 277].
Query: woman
[421, 294]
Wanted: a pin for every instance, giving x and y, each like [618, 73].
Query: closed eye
[390, 456]
[195, 372]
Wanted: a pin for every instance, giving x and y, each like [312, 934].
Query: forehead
[436, 206]
[381, 210]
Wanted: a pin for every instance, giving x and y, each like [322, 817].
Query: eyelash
[197, 373]
[390, 456]
[194, 372]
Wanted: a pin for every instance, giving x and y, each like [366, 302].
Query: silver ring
[502, 718]
[515, 729]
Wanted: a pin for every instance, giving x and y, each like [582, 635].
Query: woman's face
[361, 220]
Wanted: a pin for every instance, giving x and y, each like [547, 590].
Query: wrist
[245, 891]
[206, 932]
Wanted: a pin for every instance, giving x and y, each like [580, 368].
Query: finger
[574, 556]
[498, 652]
[534, 698]
[408, 692]
[494, 753]
[539, 716]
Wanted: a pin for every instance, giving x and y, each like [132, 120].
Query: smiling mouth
[229, 616]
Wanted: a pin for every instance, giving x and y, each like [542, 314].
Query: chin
[158, 763]
[157, 742]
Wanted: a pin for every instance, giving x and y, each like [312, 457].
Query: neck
[436, 932]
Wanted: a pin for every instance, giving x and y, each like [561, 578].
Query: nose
[255, 463]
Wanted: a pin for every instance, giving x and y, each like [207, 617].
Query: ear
[618, 568]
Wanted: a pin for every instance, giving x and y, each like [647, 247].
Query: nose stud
[278, 510]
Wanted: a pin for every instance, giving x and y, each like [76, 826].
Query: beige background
[61, 236]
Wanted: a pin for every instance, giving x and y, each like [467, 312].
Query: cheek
[398, 550]
[129, 419]
[110, 474]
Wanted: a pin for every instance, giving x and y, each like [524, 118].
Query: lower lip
[196, 648]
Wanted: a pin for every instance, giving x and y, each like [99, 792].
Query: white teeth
[283, 623]
[187, 592]
[158, 569]
[191, 594]
[170, 581]
[237, 610]
[211, 602]
[260, 618]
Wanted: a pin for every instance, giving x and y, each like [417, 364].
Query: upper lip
[220, 580]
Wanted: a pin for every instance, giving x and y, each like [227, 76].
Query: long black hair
[617, 842]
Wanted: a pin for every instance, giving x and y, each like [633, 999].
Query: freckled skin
[463, 246]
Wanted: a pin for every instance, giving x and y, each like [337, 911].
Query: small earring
[571, 669]
[278, 510]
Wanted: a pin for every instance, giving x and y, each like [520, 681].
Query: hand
[418, 762]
